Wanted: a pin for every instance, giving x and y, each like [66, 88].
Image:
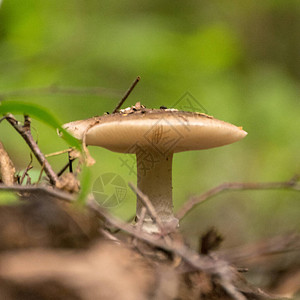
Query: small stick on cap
[127, 94]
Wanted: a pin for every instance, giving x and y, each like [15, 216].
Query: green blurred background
[239, 59]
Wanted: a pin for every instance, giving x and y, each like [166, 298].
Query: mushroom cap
[166, 131]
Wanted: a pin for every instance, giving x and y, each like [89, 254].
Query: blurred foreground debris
[105, 271]
[51, 249]
[42, 221]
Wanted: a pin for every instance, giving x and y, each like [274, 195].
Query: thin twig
[56, 90]
[65, 167]
[147, 203]
[109, 236]
[25, 132]
[236, 186]
[41, 174]
[29, 167]
[126, 94]
[70, 163]
[39, 188]
[59, 152]
[141, 219]
[72, 155]
[139, 225]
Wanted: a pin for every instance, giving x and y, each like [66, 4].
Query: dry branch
[25, 132]
[291, 184]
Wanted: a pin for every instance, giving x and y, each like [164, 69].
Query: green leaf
[39, 113]
[85, 184]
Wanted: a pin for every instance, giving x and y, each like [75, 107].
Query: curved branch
[292, 184]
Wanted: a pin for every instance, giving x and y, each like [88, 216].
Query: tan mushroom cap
[166, 130]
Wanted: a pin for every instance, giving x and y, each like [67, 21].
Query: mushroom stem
[154, 179]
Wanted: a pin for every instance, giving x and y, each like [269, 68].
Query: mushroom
[154, 135]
